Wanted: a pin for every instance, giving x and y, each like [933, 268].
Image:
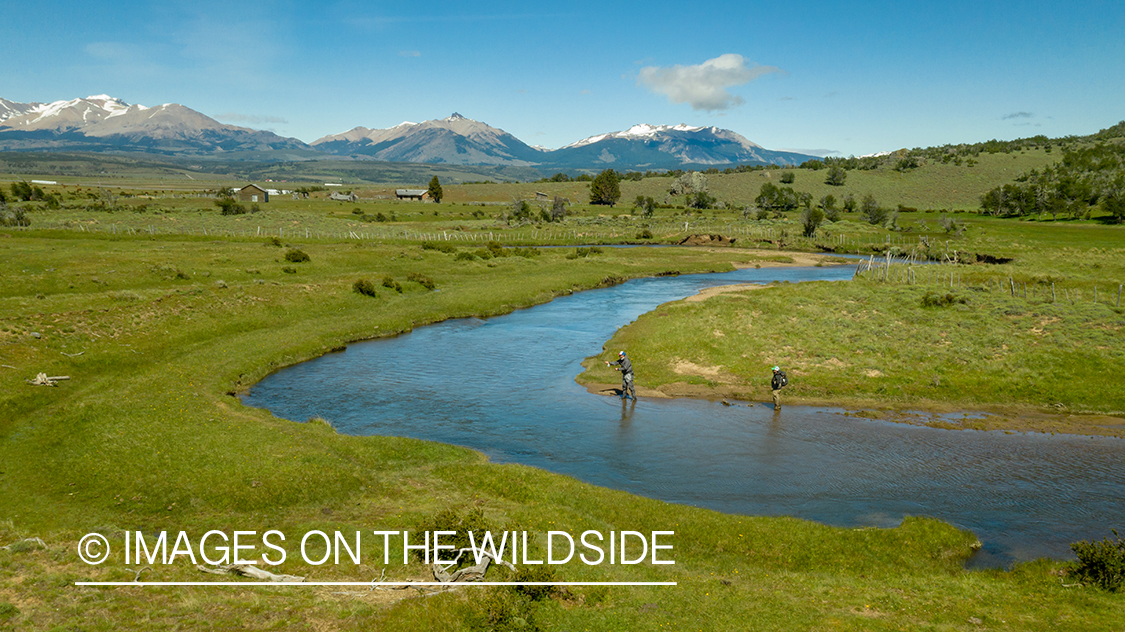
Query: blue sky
[852, 78]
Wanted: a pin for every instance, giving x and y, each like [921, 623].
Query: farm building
[343, 197]
[253, 193]
[412, 194]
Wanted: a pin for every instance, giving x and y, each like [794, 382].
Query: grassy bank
[155, 334]
[1031, 339]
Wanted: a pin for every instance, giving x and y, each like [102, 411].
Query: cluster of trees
[520, 210]
[1085, 179]
[26, 192]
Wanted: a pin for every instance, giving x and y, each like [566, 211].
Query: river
[505, 386]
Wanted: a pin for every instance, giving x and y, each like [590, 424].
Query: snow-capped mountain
[105, 123]
[102, 122]
[9, 109]
[670, 146]
[452, 140]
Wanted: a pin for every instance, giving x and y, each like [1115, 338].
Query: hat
[620, 353]
[776, 368]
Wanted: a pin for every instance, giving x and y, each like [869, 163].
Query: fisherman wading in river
[626, 367]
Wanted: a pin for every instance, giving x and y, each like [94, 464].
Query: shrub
[296, 255]
[273, 241]
[14, 217]
[421, 279]
[536, 574]
[229, 207]
[289, 270]
[389, 282]
[1100, 563]
[464, 256]
[645, 234]
[447, 248]
[933, 299]
[365, 287]
[461, 524]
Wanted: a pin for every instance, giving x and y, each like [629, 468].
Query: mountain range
[103, 123]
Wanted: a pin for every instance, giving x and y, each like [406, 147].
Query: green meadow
[160, 315]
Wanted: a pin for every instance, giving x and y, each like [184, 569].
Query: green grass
[873, 342]
[146, 436]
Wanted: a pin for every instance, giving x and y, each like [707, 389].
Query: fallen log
[248, 570]
[43, 380]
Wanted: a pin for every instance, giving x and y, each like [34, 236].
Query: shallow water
[505, 386]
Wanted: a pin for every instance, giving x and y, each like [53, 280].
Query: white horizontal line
[375, 584]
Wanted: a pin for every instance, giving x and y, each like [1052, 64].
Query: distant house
[412, 194]
[341, 197]
[253, 193]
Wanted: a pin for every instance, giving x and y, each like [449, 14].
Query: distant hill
[649, 147]
[103, 123]
[454, 140]
[463, 141]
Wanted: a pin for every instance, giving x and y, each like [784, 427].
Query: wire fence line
[903, 259]
[578, 235]
[910, 271]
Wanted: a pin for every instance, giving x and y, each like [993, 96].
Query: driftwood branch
[469, 573]
[72, 355]
[28, 541]
[248, 570]
[43, 380]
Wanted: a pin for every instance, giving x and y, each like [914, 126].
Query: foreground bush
[365, 287]
[1100, 563]
[296, 255]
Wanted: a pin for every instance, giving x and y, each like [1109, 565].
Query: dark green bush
[289, 270]
[464, 256]
[536, 574]
[461, 524]
[1100, 563]
[421, 279]
[365, 287]
[389, 282]
[933, 299]
[229, 207]
[439, 246]
[296, 255]
[273, 241]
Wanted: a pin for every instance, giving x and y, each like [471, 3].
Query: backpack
[782, 380]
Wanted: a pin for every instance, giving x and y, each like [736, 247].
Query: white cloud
[705, 86]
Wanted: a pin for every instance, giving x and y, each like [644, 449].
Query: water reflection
[505, 386]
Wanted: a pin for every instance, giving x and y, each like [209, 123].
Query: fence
[908, 270]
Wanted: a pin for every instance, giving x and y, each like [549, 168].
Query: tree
[645, 204]
[836, 176]
[872, 212]
[605, 189]
[701, 200]
[690, 182]
[435, 190]
[788, 177]
[558, 209]
[811, 219]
